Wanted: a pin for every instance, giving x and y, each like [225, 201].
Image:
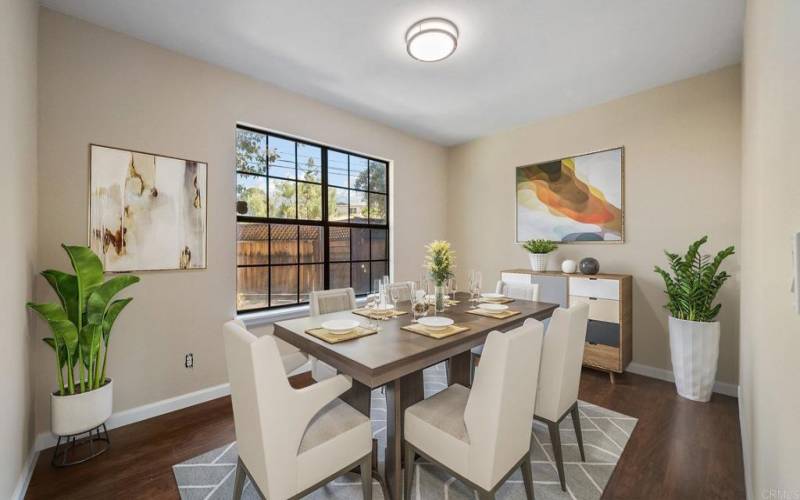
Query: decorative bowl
[435, 322]
[492, 307]
[340, 326]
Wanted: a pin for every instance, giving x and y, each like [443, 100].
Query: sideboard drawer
[599, 309]
[599, 288]
[601, 356]
[516, 278]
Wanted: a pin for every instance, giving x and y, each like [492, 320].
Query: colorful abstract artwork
[147, 212]
[574, 199]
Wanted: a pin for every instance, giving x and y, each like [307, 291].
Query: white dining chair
[521, 291]
[560, 376]
[292, 357]
[291, 441]
[403, 290]
[481, 435]
[324, 302]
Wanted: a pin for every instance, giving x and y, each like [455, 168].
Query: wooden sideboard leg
[611, 376]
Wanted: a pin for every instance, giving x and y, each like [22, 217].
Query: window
[308, 217]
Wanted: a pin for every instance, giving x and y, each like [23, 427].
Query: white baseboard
[25, 476]
[46, 439]
[744, 430]
[667, 375]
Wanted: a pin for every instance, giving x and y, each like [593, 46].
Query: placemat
[504, 300]
[369, 313]
[332, 338]
[436, 334]
[496, 315]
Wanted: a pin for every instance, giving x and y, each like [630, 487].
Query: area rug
[605, 433]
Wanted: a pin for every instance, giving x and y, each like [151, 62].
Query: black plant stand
[73, 450]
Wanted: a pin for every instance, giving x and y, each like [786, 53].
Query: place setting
[340, 330]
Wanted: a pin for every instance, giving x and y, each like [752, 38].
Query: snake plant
[694, 282]
[81, 323]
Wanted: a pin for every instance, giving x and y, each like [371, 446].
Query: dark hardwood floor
[679, 450]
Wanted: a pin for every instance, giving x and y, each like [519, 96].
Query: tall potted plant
[440, 262]
[81, 328]
[538, 252]
[693, 330]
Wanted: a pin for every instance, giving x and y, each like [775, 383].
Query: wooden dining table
[395, 358]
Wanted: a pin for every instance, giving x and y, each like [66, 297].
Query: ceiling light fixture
[432, 39]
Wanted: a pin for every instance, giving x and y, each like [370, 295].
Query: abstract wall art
[146, 212]
[574, 199]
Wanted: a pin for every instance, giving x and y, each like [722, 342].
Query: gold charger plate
[370, 313]
[332, 338]
[436, 334]
[496, 315]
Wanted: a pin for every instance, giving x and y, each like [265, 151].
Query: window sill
[262, 318]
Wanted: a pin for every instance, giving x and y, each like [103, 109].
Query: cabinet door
[602, 332]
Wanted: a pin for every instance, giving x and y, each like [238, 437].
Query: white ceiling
[518, 60]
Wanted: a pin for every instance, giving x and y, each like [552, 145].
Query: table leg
[458, 369]
[400, 394]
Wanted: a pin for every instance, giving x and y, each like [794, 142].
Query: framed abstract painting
[575, 199]
[147, 212]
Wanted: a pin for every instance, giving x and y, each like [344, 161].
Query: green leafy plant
[81, 324]
[440, 261]
[539, 246]
[694, 282]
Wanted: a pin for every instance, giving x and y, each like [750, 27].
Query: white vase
[538, 261]
[78, 413]
[694, 347]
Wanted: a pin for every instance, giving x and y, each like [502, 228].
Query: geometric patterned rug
[210, 476]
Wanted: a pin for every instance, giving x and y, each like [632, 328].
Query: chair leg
[366, 477]
[555, 439]
[576, 423]
[238, 485]
[409, 471]
[527, 476]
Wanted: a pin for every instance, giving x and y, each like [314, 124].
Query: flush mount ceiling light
[431, 39]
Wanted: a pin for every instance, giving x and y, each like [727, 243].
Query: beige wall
[103, 87]
[682, 166]
[18, 226]
[770, 399]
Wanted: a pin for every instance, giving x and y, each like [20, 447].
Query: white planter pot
[79, 413]
[539, 261]
[694, 347]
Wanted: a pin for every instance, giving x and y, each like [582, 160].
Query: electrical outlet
[189, 361]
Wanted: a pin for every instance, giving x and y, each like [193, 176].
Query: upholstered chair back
[403, 290]
[500, 406]
[562, 357]
[260, 393]
[522, 291]
[328, 301]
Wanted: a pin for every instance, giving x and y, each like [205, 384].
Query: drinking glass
[475, 285]
[372, 303]
[451, 288]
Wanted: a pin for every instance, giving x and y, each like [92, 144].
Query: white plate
[493, 307]
[435, 322]
[385, 308]
[340, 326]
[492, 295]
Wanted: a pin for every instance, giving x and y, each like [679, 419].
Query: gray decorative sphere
[589, 265]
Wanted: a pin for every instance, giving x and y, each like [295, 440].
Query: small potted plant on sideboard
[538, 253]
[693, 330]
[81, 328]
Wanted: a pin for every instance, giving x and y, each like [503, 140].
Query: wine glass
[451, 288]
[475, 286]
[419, 305]
[372, 303]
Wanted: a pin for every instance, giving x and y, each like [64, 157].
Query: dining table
[395, 358]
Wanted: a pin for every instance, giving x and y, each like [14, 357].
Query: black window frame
[324, 223]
